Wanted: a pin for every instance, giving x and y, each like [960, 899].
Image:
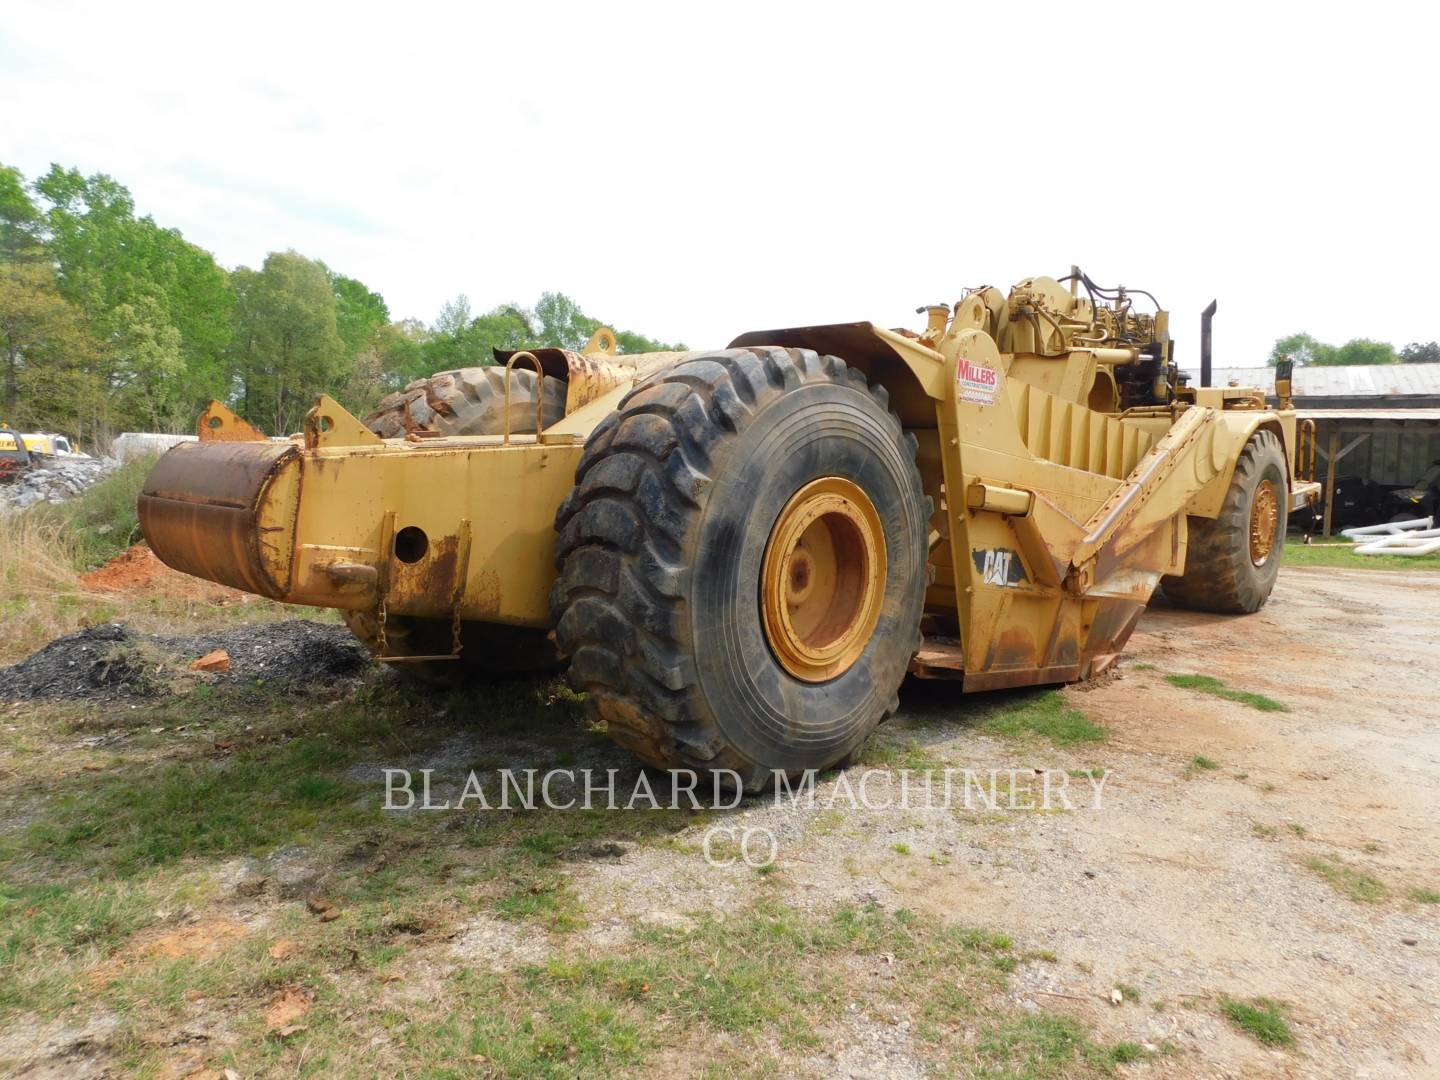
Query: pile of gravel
[111, 661]
[53, 479]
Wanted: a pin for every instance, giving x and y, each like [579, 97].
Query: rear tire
[1223, 570]
[664, 558]
[468, 401]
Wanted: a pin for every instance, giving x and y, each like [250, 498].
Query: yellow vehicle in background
[742, 552]
[39, 443]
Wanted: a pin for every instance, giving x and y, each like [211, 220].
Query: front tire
[702, 508]
[1233, 560]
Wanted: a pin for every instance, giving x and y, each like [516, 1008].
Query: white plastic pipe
[1424, 542]
[1388, 528]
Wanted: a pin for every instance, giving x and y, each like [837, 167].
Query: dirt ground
[1193, 894]
[1236, 853]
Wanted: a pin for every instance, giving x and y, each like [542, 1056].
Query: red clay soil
[137, 571]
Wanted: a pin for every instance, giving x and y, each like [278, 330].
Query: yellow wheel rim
[823, 579]
[1264, 517]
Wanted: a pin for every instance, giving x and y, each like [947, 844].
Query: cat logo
[999, 566]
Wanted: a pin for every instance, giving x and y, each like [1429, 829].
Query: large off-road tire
[743, 564]
[488, 651]
[469, 401]
[1232, 560]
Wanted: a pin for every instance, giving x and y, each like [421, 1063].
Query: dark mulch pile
[110, 660]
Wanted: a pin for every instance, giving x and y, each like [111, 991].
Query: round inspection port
[411, 544]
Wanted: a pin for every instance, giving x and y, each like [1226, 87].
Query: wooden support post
[1334, 457]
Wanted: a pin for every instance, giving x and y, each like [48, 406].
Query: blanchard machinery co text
[873, 789]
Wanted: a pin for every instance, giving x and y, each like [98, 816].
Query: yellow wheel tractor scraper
[740, 553]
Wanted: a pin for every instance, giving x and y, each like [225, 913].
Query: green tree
[1417, 353]
[50, 376]
[1301, 348]
[286, 347]
[20, 219]
[159, 306]
[561, 322]
[1306, 350]
[360, 314]
[459, 339]
[1365, 351]
[401, 348]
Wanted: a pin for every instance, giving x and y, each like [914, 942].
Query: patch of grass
[1046, 715]
[900, 849]
[85, 891]
[1260, 1018]
[1128, 992]
[549, 903]
[1043, 1046]
[747, 988]
[1264, 832]
[260, 799]
[1144, 667]
[1296, 828]
[889, 750]
[1125, 1053]
[47, 930]
[101, 520]
[1355, 884]
[1339, 552]
[1207, 684]
[1201, 762]
[1424, 896]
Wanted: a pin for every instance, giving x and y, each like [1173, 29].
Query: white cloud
[694, 171]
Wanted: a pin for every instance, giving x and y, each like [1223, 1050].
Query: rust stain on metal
[219, 424]
[1015, 648]
[425, 587]
[200, 511]
[590, 378]
[485, 595]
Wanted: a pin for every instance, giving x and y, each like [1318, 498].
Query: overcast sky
[693, 171]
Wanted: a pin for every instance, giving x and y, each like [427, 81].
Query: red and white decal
[977, 382]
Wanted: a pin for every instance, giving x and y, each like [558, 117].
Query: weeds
[102, 521]
[1206, 684]
[1262, 1019]
[1349, 882]
[1046, 715]
[1340, 553]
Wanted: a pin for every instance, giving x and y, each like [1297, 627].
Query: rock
[241, 876]
[293, 874]
[53, 479]
[215, 660]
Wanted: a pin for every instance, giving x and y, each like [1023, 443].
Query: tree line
[1306, 350]
[110, 322]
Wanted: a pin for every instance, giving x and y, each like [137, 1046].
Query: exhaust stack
[1206, 317]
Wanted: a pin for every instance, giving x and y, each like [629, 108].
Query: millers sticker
[978, 383]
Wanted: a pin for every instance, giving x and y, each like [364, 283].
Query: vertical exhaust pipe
[1206, 317]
